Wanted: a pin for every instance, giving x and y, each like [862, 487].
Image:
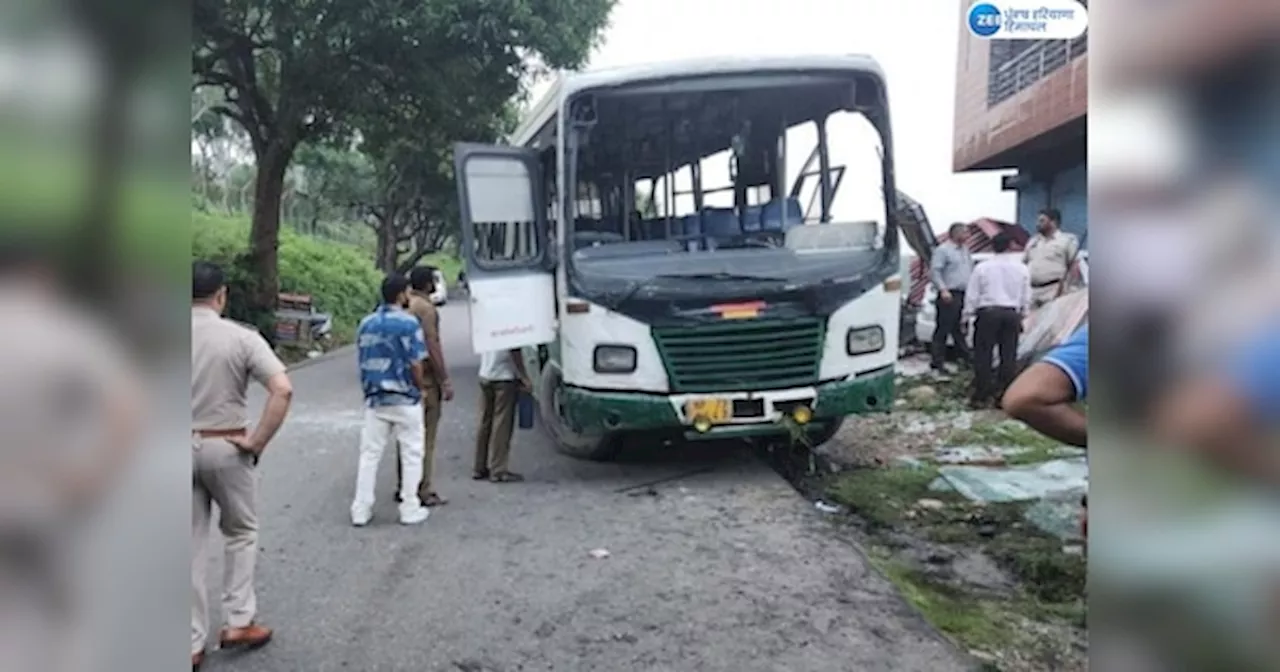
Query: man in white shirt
[502, 377]
[999, 295]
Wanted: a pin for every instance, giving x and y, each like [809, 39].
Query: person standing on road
[391, 350]
[1049, 256]
[998, 297]
[949, 271]
[502, 377]
[437, 388]
[225, 454]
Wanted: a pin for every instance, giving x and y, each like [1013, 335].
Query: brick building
[1023, 105]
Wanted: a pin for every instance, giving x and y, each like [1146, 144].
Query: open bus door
[505, 247]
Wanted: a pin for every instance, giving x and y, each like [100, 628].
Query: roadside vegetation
[1001, 588]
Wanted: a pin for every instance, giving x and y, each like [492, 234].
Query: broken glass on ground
[1018, 484]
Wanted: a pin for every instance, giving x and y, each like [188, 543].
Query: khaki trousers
[223, 475]
[497, 422]
[1042, 295]
[432, 405]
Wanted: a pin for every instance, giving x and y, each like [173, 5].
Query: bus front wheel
[601, 447]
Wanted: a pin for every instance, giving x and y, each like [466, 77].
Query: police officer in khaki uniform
[437, 387]
[224, 455]
[1049, 256]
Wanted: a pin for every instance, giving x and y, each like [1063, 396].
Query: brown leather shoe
[251, 636]
[197, 659]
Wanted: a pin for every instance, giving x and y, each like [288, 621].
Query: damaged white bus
[649, 301]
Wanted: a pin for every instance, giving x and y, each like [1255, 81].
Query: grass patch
[883, 496]
[1040, 448]
[1000, 627]
[976, 623]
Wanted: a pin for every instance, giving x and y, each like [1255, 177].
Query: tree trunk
[388, 241]
[264, 236]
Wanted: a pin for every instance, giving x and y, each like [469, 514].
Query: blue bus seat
[751, 218]
[720, 222]
[772, 214]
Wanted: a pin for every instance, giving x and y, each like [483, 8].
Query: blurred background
[94, 210]
[1184, 165]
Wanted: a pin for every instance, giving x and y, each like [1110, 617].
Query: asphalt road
[724, 569]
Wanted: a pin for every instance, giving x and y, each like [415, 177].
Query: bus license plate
[714, 410]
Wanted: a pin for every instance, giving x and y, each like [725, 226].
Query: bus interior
[698, 168]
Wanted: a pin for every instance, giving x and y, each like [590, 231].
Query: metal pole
[824, 165]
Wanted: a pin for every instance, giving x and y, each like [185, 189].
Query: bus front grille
[750, 355]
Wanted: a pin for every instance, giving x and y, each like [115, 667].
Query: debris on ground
[1018, 484]
[825, 507]
[976, 518]
[599, 553]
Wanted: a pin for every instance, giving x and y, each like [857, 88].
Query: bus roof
[569, 83]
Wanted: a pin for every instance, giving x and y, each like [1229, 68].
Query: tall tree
[414, 209]
[293, 71]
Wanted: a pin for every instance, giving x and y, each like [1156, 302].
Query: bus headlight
[864, 340]
[614, 359]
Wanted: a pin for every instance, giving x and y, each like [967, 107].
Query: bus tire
[817, 437]
[595, 447]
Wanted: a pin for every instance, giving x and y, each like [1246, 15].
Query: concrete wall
[1066, 190]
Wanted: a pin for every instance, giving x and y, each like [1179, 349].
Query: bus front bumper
[591, 411]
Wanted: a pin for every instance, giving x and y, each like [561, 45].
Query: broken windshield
[778, 176]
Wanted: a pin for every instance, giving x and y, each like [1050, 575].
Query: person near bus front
[1049, 255]
[502, 378]
[949, 271]
[390, 350]
[436, 388]
[998, 297]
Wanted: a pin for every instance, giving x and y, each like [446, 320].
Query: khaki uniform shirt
[421, 307]
[1049, 258]
[224, 356]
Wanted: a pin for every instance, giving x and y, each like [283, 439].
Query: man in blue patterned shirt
[391, 352]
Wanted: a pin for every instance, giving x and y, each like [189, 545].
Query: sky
[915, 47]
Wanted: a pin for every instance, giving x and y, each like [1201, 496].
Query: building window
[1017, 64]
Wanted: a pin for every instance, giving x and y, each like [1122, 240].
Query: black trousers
[947, 323]
[994, 329]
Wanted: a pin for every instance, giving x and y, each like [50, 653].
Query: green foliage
[341, 278]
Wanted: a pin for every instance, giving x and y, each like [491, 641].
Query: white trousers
[382, 425]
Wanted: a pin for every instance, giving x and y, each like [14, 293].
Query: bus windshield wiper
[719, 276]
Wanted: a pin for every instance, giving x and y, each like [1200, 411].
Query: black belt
[992, 309]
[1042, 285]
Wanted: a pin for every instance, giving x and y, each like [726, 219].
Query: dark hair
[206, 279]
[958, 226]
[1052, 214]
[423, 278]
[393, 286]
[1001, 243]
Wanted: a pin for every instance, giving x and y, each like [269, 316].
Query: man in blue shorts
[1045, 395]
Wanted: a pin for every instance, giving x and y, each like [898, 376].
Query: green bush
[341, 279]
